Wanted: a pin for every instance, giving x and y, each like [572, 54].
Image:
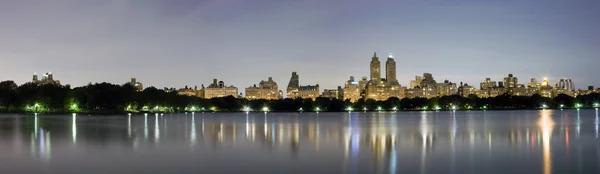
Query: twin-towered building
[378, 88]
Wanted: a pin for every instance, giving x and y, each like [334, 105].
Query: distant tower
[133, 81]
[50, 77]
[375, 67]
[294, 81]
[35, 78]
[561, 84]
[390, 69]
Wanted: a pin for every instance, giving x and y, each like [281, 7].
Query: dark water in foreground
[459, 142]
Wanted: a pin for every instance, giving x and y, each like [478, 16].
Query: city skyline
[191, 42]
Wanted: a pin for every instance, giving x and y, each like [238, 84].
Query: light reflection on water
[544, 141]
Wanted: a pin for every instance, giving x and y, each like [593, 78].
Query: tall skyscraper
[375, 67]
[390, 69]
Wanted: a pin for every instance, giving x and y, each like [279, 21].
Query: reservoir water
[532, 142]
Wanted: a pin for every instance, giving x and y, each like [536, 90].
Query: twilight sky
[189, 42]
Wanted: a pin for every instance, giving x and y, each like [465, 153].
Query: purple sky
[189, 42]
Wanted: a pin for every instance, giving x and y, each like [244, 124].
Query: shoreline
[369, 111]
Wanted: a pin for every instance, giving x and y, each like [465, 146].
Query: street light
[246, 108]
[378, 108]
[265, 109]
[349, 109]
[317, 109]
[395, 108]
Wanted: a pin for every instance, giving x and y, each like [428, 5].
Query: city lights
[379, 108]
[349, 109]
[265, 109]
[596, 105]
[395, 108]
[246, 109]
[317, 109]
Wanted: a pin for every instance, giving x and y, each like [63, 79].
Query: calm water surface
[458, 142]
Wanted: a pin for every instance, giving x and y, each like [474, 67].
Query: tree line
[106, 98]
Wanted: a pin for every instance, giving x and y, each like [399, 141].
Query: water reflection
[356, 142]
[546, 124]
[74, 128]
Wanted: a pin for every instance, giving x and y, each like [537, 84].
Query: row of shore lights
[379, 108]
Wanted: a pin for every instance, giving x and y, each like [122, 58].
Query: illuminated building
[309, 91]
[429, 88]
[362, 84]
[415, 92]
[416, 82]
[489, 88]
[534, 84]
[330, 93]
[218, 89]
[465, 90]
[190, 92]
[265, 90]
[293, 85]
[510, 81]
[375, 67]
[382, 89]
[47, 79]
[446, 89]
[546, 89]
[487, 84]
[137, 85]
[566, 84]
[294, 90]
[351, 90]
